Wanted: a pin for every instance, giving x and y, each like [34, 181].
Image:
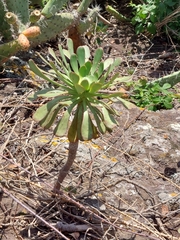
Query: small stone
[168, 171]
[175, 127]
[102, 207]
[178, 164]
[163, 196]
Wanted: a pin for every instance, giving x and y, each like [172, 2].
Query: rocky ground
[122, 186]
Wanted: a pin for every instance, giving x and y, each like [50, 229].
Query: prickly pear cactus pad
[16, 17]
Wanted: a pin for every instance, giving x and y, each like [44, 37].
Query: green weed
[152, 97]
[148, 15]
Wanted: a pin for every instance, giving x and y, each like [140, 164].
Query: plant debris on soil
[122, 186]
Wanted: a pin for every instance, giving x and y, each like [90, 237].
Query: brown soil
[122, 186]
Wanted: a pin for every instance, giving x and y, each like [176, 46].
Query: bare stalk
[73, 146]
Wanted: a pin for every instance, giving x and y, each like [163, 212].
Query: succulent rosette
[78, 92]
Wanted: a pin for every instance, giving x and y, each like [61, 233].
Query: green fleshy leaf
[72, 132]
[96, 60]
[124, 79]
[54, 68]
[65, 64]
[44, 93]
[116, 63]
[101, 126]
[110, 81]
[112, 95]
[108, 62]
[109, 120]
[166, 86]
[80, 110]
[52, 53]
[110, 109]
[88, 65]
[100, 69]
[111, 67]
[42, 111]
[95, 87]
[98, 117]
[85, 84]
[40, 72]
[81, 55]
[74, 63]
[48, 93]
[83, 71]
[66, 53]
[87, 126]
[74, 78]
[80, 89]
[70, 46]
[87, 53]
[126, 103]
[95, 131]
[44, 60]
[91, 78]
[63, 77]
[62, 126]
[50, 117]
[76, 82]
[102, 79]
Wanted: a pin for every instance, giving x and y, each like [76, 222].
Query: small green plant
[153, 97]
[154, 14]
[79, 87]
[144, 17]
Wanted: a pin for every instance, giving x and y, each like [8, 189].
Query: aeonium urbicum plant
[79, 88]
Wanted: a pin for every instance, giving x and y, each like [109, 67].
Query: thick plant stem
[73, 146]
[76, 37]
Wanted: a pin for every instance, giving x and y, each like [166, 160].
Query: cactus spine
[20, 8]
